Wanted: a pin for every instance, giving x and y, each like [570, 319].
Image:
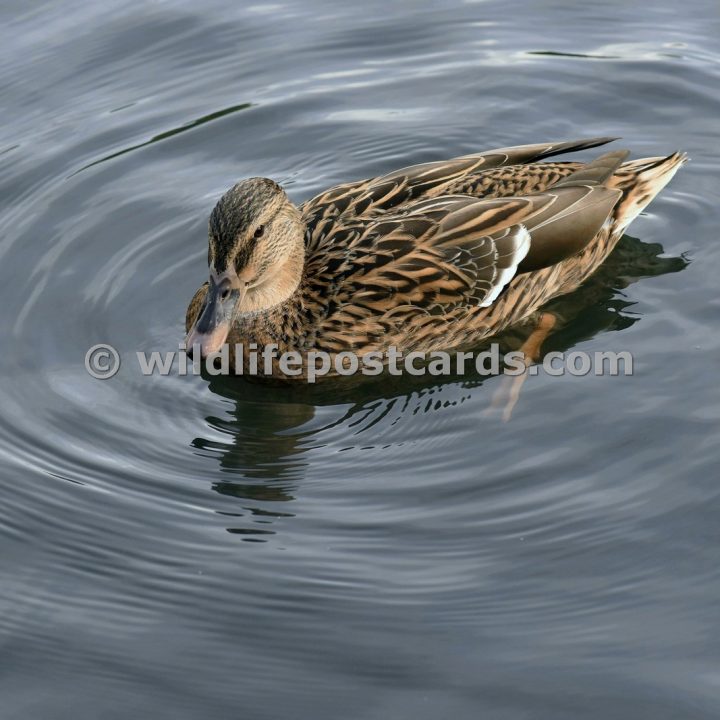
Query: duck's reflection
[271, 428]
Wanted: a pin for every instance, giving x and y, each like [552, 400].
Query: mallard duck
[437, 256]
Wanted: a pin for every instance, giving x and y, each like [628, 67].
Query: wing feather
[416, 255]
[387, 192]
[463, 251]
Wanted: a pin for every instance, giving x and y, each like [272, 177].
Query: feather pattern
[444, 254]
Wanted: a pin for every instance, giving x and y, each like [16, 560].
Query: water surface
[196, 547]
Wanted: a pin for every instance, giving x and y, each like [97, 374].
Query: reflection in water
[271, 427]
[168, 133]
[262, 450]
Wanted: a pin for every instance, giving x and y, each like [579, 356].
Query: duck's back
[495, 173]
[424, 257]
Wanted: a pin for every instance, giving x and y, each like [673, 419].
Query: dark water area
[195, 547]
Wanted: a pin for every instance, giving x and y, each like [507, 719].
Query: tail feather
[640, 181]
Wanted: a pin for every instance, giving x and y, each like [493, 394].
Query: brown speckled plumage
[435, 256]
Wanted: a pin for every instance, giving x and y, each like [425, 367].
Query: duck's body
[432, 257]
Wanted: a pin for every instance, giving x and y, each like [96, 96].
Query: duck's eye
[225, 294]
[259, 231]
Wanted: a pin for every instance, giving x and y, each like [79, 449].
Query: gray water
[210, 548]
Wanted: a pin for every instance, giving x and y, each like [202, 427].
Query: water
[195, 547]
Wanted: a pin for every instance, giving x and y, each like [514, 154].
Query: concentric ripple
[189, 547]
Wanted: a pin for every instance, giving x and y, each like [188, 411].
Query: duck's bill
[212, 328]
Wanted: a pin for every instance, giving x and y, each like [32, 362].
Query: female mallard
[431, 257]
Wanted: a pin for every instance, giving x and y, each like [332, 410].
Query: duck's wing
[400, 187]
[454, 250]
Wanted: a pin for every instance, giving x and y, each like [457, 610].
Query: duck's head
[256, 256]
